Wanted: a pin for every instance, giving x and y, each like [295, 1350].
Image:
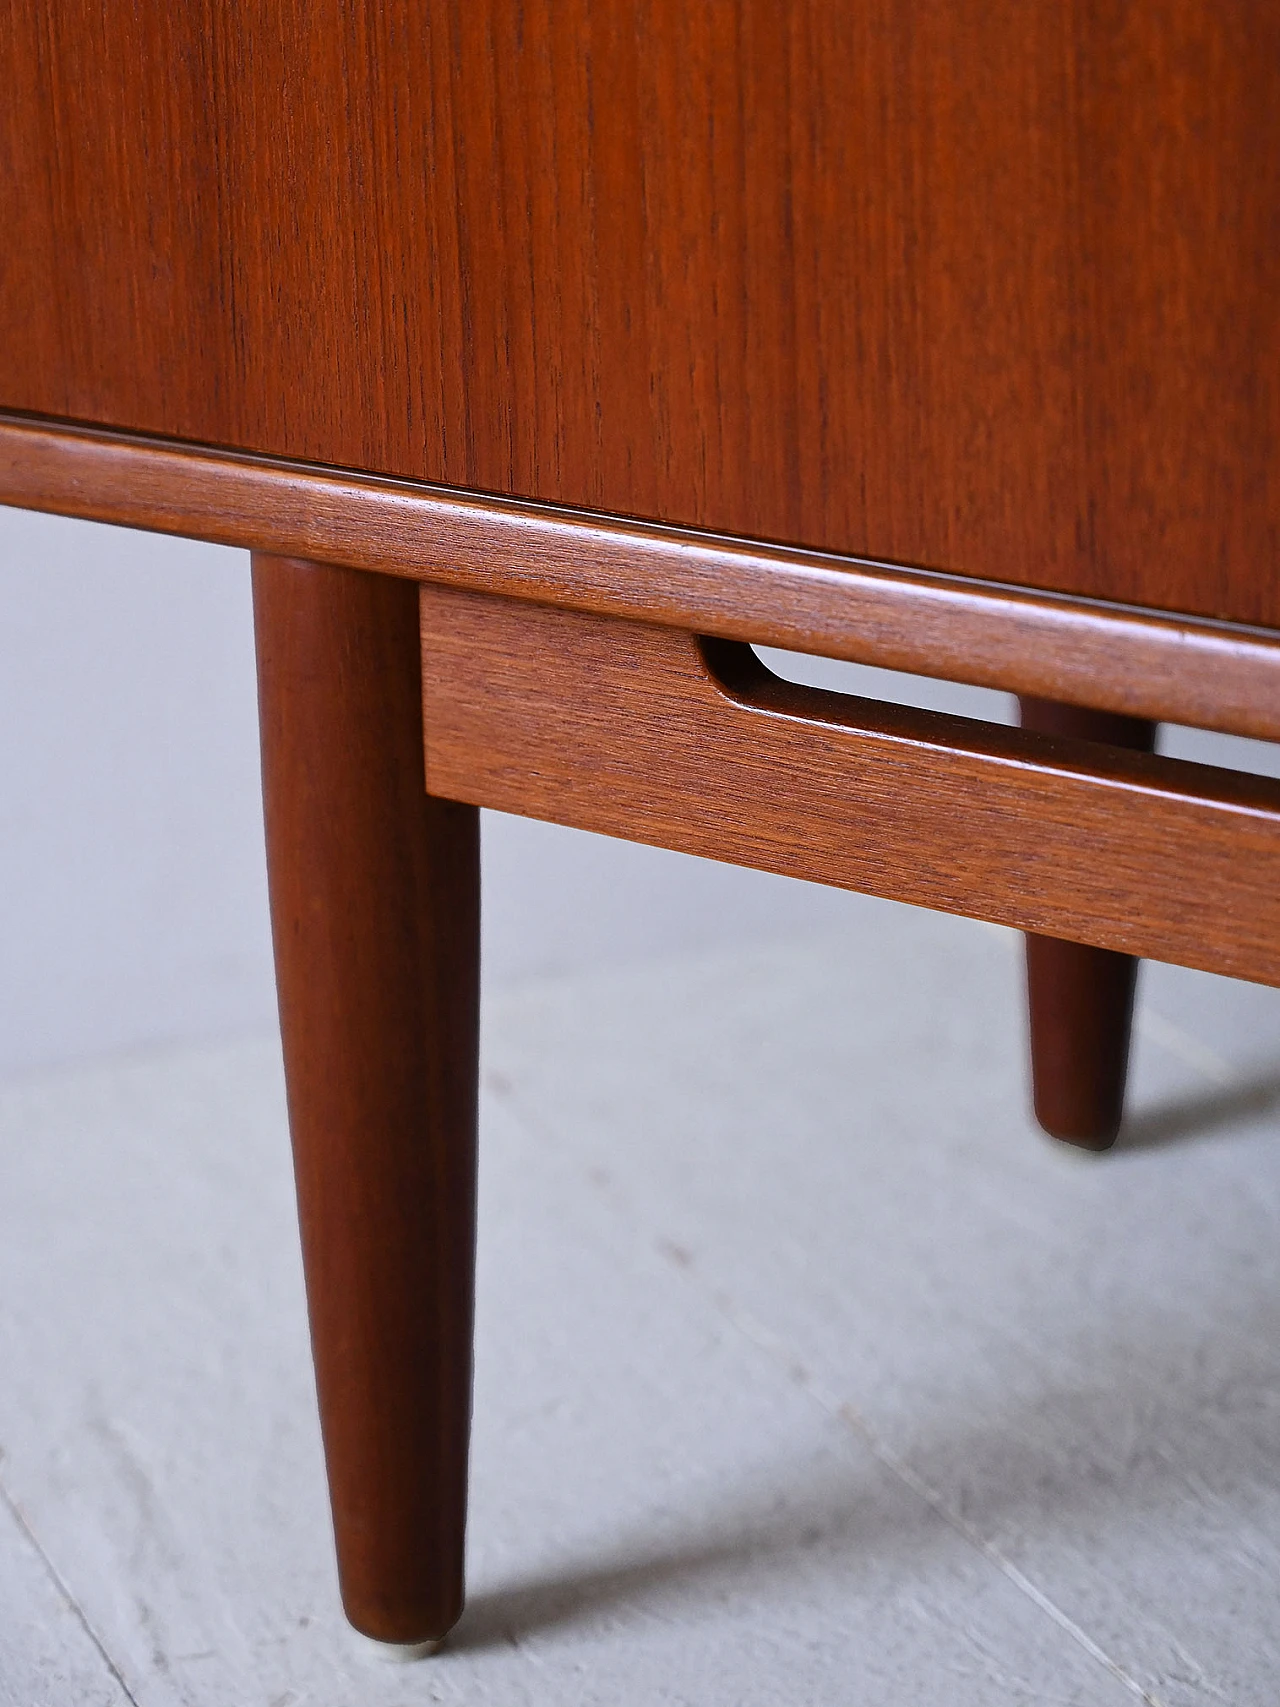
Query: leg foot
[375, 915]
[1080, 999]
[394, 1653]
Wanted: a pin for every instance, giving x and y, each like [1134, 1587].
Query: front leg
[375, 917]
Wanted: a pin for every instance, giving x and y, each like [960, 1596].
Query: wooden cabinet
[941, 335]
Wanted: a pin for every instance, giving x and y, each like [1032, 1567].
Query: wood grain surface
[972, 285]
[1138, 663]
[641, 732]
[375, 918]
[1080, 998]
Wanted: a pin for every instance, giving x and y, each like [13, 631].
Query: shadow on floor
[1169, 1427]
[848, 1516]
[833, 1514]
[1202, 1114]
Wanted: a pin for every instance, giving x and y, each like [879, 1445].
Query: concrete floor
[806, 1371]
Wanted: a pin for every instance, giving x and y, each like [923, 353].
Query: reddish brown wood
[374, 903]
[1080, 1010]
[641, 732]
[977, 285]
[1080, 998]
[1211, 675]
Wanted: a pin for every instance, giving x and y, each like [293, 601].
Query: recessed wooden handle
[746, 681]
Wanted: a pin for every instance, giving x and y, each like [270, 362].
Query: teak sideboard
[549, 355]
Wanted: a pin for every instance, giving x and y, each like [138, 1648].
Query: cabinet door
[978, 285]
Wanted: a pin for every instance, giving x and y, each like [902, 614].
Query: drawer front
[979, 286]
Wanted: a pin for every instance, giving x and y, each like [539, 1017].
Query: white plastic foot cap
[396, 1653]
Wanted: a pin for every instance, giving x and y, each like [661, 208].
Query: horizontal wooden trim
[1143, 663]
[644, 732]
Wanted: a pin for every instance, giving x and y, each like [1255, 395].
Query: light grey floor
[806, 1371]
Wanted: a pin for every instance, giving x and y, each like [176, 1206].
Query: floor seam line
[756, 1333]
[64, 1591]
[1184, 1046]
[843, 1412]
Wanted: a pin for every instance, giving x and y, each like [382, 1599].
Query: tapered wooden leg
[1080, 999]
[375, 913]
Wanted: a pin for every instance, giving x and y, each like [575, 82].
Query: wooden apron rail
[639, 731]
